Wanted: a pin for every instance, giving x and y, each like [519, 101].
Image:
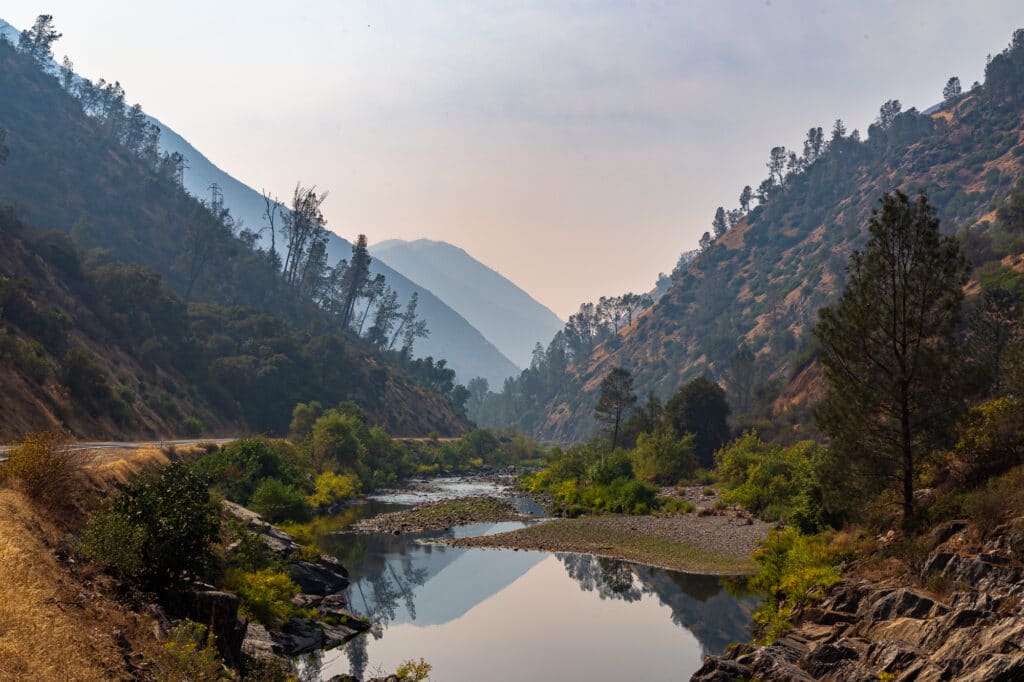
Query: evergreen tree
[617, 398]
[889, 352]
[952, 89]
[720, 225]
[745, 197]
[38, 41]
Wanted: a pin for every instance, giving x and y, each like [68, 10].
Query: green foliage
[265, 595]
[236, 469]
[662, 458]
[189, 655]
[700, 407]
[774, 482]
[413, 671]
[331, 488]
[193, 427]
[111, 538]
[335, 441]
[895, 380]
[174, 523]
[276, 501]
[991, 440]
[795, 568]
[610, 467]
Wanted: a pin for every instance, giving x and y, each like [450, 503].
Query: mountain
[452, 337]
[504, 313]
[153, 311]
[761, 284]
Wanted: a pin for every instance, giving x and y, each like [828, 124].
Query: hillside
[224, 342]
[505, 314]
[762, 282]
[452, 337]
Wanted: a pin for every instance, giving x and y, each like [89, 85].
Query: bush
[265, 595]
[173, 520]
[236, 470]
[189, 655]
[663, 458]
[193, 427]
[794, 568]
[331, 488]
[112, 539]
[277, 501]
[413, 671]
[610, 467]
[42, 468]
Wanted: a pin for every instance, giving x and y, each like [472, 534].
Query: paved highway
[112, 445]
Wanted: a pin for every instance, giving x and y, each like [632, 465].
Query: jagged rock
[945, 531]
[721, 670]
[326, 576]
[824, 659]
[299, 636]
[219, 611]
[258, 643]
[903, 602]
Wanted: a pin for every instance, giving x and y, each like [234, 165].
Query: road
[112, 445]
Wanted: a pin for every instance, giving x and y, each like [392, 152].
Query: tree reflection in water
[699, 603]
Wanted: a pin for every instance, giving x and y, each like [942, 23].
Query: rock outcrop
[968, 626]
[322, 580]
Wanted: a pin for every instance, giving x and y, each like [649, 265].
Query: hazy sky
[576, 147]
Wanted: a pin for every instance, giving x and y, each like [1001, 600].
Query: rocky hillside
[762, 282]
[965, 623]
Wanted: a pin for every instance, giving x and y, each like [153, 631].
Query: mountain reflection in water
[506, 615]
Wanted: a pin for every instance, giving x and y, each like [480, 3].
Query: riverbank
[691, 543]
[442, 515]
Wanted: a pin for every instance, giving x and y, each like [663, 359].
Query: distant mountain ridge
[452, 337]
[506, 315]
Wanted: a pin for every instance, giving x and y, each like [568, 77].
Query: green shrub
[277, 501]
[615, 465]
[112, 539]
[413, 671]
[193, 427]
[794, 568]
[663, 458]
[265, 595]
[173, 520]
[189, 655]
[331, 488]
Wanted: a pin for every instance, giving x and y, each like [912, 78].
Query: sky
[575, 147]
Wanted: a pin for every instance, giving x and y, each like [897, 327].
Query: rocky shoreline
[323, 582]
[959, 615]
[442, 515]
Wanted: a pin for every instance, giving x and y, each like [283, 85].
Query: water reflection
[463, 609]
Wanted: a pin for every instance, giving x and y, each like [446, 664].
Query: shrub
[265, 595]
[236, 469]
[614, 465]
[189, 655]
[193, 427]
[794, 568]
[331, 488]
[277, 501]
[42, 468]
[413, 671]
[663, 458]
[676, 505]
[112, 539]
[174, 521]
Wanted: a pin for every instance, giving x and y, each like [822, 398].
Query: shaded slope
[452, 337]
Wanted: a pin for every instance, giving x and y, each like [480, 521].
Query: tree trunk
[908, 462]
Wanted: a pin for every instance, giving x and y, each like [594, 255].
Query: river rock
[326, 576]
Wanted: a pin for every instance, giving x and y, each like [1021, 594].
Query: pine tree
[617, 398]
[889, 352]
[952, 89]
[720, 225]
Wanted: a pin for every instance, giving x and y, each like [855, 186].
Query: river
[503, 615]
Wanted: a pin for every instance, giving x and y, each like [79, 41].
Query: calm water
[504, 615]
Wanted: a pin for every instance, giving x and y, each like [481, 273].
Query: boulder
[326, 576]
[219, 611]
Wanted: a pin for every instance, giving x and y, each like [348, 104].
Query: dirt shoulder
[442, 515]
[720, 544]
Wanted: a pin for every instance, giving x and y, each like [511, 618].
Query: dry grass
[54, 625]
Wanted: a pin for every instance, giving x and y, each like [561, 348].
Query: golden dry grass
[49, 630]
